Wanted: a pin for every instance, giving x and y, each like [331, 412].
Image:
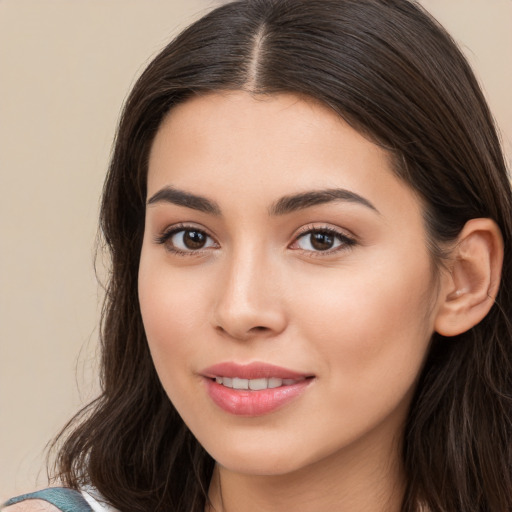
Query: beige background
[65, 68]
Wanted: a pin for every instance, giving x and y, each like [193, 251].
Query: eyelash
[165, 237]
[345, 241]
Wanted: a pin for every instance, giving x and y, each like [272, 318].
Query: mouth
[256, 384]
[254, 389]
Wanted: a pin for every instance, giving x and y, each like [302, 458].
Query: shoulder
[52, 499]
[31, 506]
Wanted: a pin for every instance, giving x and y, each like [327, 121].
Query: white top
[95, 500]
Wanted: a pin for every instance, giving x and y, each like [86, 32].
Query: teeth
[254, 384]
[240, 383]
[274, 382]
[257, 384]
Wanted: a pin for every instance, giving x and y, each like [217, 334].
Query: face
[285, 285]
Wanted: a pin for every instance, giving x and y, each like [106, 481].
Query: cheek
[172, 305]
[371, 326]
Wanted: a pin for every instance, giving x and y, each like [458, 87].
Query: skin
[32, 506]
[357, 317]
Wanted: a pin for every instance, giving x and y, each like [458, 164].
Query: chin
[266, 465]
[260, 458]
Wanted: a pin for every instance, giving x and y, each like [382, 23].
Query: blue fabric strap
[67, 500]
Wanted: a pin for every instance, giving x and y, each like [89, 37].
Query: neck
[351, 480]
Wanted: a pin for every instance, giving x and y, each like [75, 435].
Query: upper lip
[256, 370]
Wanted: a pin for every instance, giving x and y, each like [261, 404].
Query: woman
[308, 214]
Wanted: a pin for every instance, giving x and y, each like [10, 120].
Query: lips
[254, 370]
[253, 389]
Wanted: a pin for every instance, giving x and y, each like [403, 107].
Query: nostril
[253, 331]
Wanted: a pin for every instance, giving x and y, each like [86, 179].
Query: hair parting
[394, 74]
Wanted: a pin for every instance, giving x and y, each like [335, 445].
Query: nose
[249, 302]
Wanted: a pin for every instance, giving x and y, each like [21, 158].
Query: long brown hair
[394, 74]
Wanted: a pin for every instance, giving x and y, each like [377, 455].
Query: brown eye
[188, 240]
[194, 239]
[323, 240]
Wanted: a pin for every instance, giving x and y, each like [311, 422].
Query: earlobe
[469, 290]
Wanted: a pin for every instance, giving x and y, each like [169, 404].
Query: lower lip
[254, 403]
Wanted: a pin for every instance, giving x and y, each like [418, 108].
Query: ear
[469, 289]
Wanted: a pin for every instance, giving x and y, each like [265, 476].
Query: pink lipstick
[253, 389]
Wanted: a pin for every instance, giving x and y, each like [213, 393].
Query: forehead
[234, 144]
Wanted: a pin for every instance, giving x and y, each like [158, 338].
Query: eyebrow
[294, 202]
[182, 198]
[283, 206]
